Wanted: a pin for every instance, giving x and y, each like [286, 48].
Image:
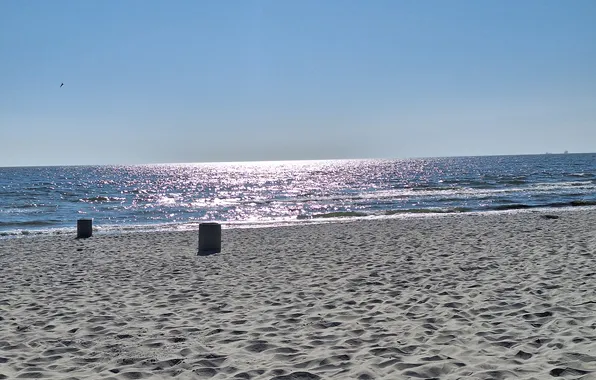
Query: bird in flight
[62, 84]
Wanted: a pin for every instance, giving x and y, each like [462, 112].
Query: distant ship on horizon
[565, 152]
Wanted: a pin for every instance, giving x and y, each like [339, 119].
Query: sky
[148, 81]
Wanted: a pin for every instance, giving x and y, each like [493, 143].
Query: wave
[514, 181]
[520, 206]
[436, 210]
[30, 223]
[514, 206]
[337, 214]
[582, 203]
[30, 205]
[101, 199]
[451, 210]
[454, 193]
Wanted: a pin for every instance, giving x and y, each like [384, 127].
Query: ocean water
[49, 200]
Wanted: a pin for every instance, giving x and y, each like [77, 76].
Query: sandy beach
[509, 296]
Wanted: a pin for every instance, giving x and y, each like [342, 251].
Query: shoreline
[457, 296]
[102, 229]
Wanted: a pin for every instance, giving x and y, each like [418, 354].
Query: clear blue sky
[192, 81]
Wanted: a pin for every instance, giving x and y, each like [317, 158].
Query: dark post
[84, 228]
[209, 238]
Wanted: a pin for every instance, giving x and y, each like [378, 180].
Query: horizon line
[293, 160]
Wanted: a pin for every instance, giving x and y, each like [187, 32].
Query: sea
[128, 198]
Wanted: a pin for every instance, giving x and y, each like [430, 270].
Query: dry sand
[458, 297]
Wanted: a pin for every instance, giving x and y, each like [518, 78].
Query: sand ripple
[464, 297]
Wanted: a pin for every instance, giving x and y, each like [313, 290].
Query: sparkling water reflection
[180, 195]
